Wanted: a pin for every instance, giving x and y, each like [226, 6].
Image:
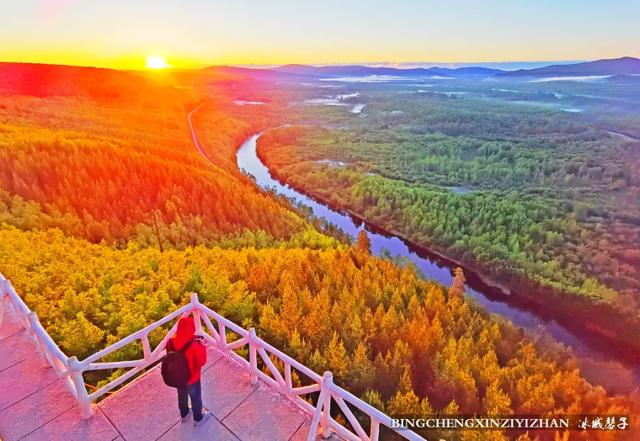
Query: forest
[103, 172]
[109, 217]
[402, 343]
[529, 196]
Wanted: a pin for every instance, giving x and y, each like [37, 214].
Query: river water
[429, 265]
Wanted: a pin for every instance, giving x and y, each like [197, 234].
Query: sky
[196, 33]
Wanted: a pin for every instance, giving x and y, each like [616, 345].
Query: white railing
[45, 344]
[72, 369]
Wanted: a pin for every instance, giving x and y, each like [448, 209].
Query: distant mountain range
[46, 79]
[337, 71]
[609, 67]
[614, 66]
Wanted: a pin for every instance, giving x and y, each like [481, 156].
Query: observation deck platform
[35, 404]
[253, 390]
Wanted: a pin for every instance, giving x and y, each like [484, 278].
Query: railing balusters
[146, 347]
[212, 330]
[165, 339]
[4, 302]
[272, 367]
[237, 343]
[375, 430]
[351, 418]
[305, 390]
[33, 325]
[223, 336]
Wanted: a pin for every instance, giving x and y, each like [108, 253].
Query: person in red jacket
[196, 355]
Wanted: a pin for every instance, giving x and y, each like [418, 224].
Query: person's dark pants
[193, 392]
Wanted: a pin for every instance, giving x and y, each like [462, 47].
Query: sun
[156, 62]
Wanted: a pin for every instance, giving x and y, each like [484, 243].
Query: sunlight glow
[156, 62]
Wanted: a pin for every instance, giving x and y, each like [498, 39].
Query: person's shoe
[206, 414]
[186, 417]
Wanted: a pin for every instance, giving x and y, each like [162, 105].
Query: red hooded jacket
[196, 354]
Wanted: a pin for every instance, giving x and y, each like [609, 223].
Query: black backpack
[175, 367]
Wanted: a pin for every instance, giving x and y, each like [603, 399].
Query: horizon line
[389, 64]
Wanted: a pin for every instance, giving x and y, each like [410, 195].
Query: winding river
[435, 267]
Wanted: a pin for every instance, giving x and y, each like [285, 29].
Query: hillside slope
[120, 167]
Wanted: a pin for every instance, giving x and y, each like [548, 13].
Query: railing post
[287, 377]
[84, 403]
[253, 358]
[195, 312]
[327, 386]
